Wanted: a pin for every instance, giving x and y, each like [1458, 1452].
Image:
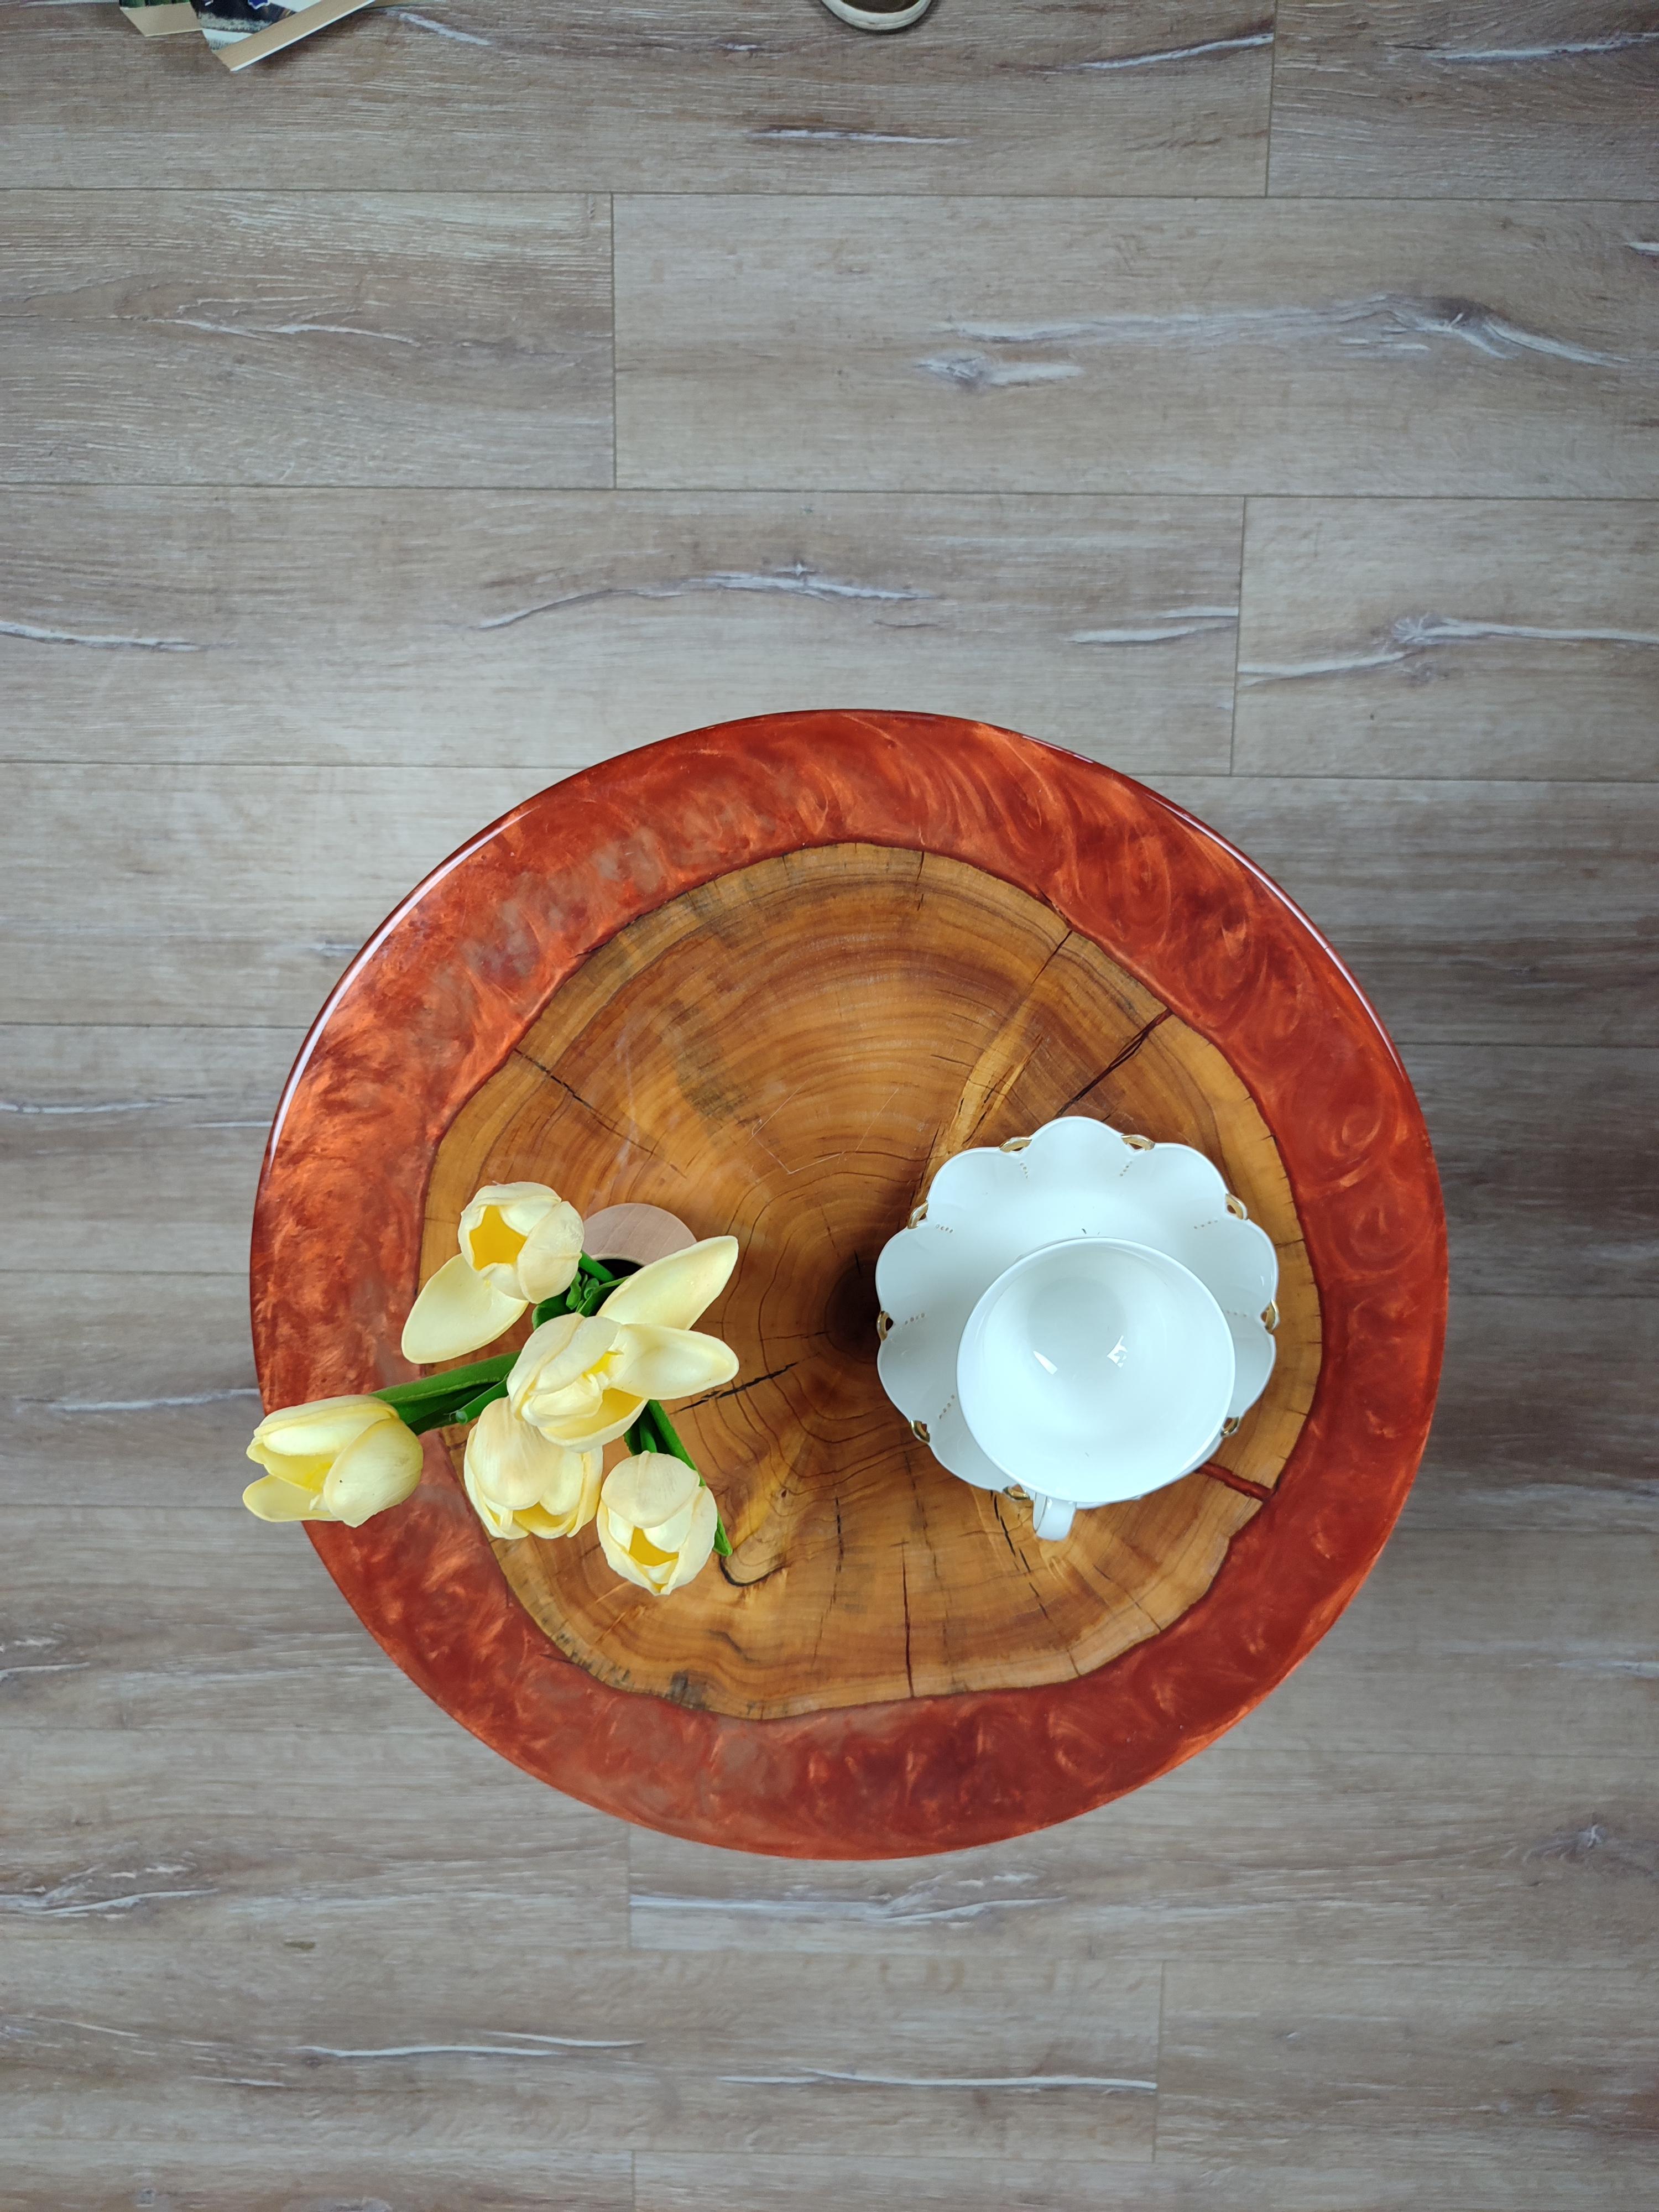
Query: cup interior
[1095, 1370]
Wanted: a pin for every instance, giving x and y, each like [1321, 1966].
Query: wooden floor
[1268, 410]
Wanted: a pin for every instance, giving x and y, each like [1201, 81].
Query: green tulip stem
[591, 1285]
[666, 1431]
[465, 1415]
[437, 1400]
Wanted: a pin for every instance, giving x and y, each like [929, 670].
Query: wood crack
[736, 1390]
[587, 1106]
[1241, 1483]
[904, 1588]
[1112, 1065]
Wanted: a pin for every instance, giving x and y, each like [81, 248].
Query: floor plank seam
[1238, 633]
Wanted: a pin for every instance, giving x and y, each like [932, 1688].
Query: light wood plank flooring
[1268, 408]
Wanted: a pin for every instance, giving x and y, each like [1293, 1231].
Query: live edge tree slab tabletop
[770, 975]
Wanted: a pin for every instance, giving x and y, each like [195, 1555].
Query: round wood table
[769, 975]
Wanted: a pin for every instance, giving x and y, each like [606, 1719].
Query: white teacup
[1093, 1370]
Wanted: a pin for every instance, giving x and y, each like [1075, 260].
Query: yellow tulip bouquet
[609, 1343]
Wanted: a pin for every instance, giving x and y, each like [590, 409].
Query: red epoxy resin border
[442, 991]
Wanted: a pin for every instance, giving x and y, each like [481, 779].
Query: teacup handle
[1051, 1517]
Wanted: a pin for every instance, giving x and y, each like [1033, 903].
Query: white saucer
[986, 1209]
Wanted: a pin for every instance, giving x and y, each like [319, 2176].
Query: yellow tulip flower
[657, 1521]
[523, 1485]
[520, 1244]
[583, 1380]
[338, 1459]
